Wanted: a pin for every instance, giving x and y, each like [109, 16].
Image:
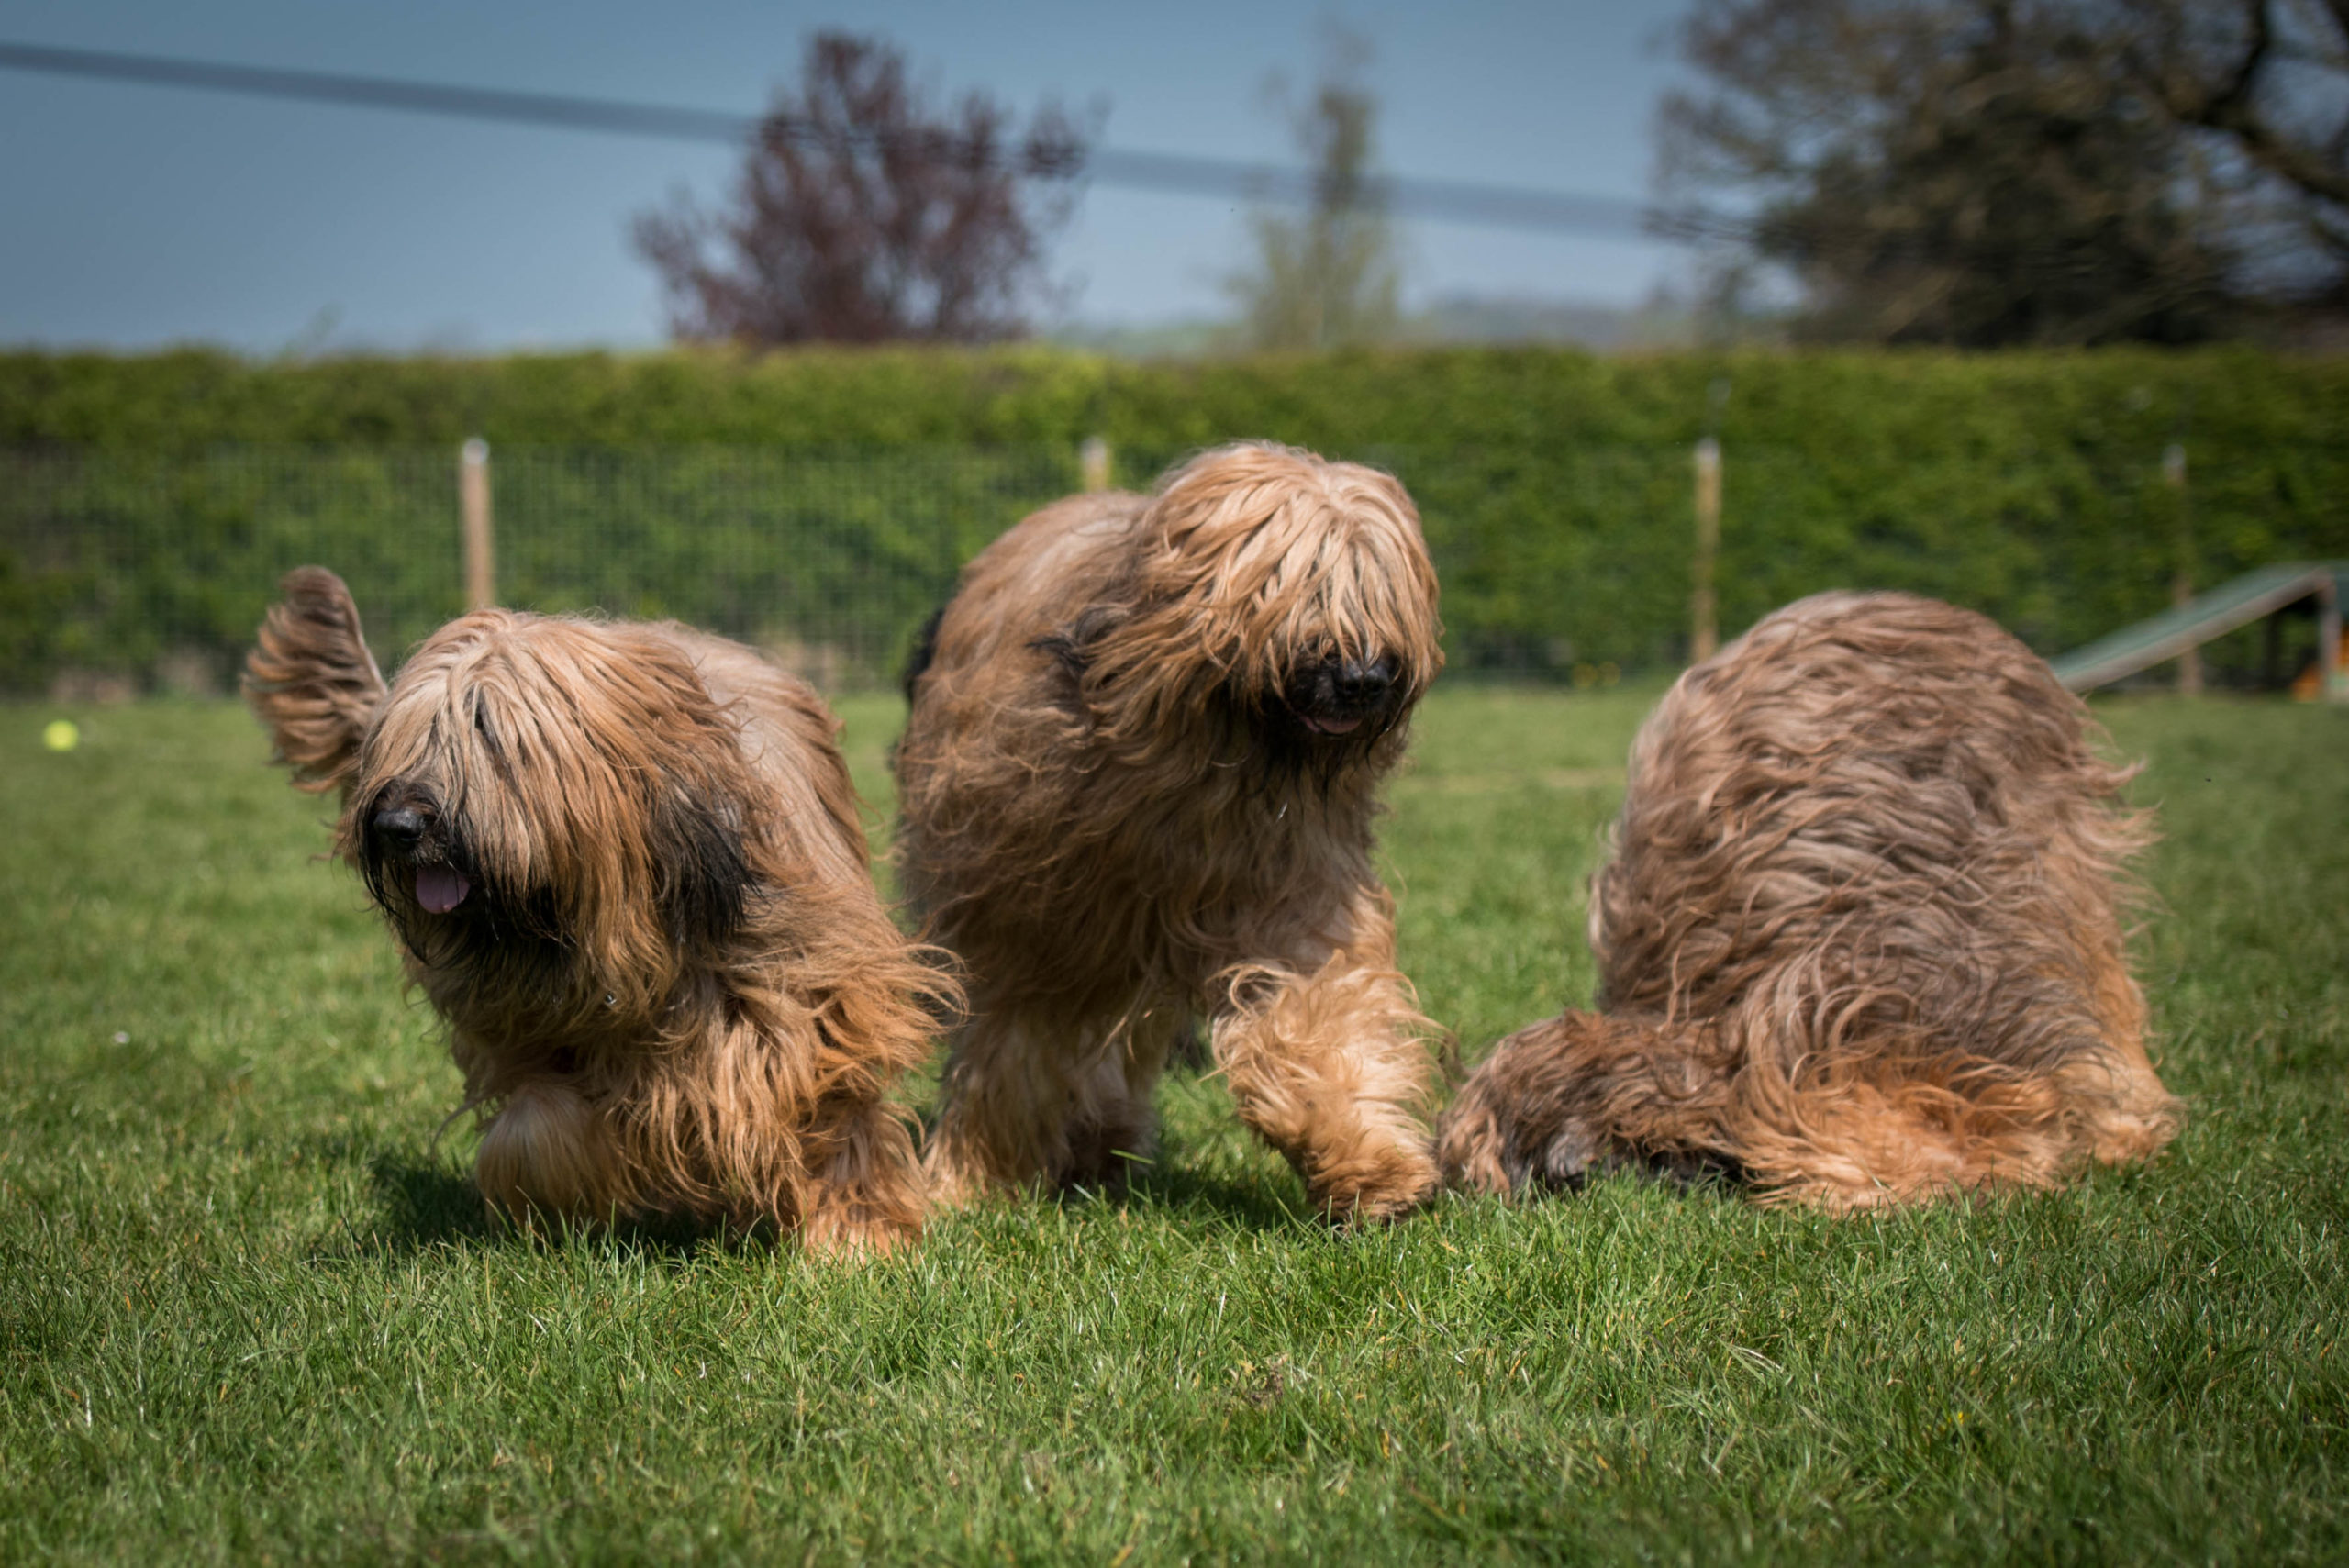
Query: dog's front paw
[1491, 1142]
[1373, 1186]
[845, 1235]
[1560, 1160]
[546, 1155]
[955, 1177]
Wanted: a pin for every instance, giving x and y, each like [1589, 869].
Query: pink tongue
[440, 889]
[1335, 725]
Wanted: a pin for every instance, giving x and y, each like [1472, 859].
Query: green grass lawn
[250, 1311]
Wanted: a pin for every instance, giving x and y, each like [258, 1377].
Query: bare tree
[2269, 82]
[1975, 172]
[866, 212]
[1327, 277]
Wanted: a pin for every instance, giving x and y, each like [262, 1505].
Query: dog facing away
[625, 864]
[1861, 938]
[1138, 785]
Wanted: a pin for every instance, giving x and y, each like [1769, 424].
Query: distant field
[250, 1309]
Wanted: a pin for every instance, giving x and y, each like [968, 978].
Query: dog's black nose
[1360, 684]
[400, 825]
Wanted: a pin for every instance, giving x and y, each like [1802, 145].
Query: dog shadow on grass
[423, 1201]
[1189, 1194]
[1192, 1179]
[424, 1205]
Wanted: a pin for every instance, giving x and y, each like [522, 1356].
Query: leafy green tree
[1328, 276]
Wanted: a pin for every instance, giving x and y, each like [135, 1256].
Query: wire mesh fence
[123, 571]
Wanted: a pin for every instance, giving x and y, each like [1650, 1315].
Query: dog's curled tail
[311, 679]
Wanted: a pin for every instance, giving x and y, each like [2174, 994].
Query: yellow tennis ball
[62, 735]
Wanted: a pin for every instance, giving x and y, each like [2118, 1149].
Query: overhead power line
[1452, 201]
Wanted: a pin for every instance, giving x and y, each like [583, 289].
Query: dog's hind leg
[1585, 1091]
[1011, 1089]
[1331, 1068]
[1114, 1123]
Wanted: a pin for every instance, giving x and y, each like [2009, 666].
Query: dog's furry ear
[312, 681]
[1071, 647]
[702, 862]
[925, 652]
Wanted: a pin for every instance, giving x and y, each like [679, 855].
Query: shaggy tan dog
[625, 863]
[1861, 939]
[1139, 783]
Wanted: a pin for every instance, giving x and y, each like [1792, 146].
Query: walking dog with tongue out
[625, 862]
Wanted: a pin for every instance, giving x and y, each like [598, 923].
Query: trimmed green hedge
[152, 496]
[1867, 411]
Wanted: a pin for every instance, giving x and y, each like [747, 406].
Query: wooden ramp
[2215, 614]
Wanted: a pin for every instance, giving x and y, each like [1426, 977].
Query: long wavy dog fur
[1138, 782]
[1861, 938]
[624, 863]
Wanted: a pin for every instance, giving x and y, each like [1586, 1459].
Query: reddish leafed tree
[866, 212]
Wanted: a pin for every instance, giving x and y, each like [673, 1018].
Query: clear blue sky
[132, 216]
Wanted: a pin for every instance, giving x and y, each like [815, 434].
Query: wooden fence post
[1704, 630]
[2181, 582]
[2333, 682]
[1093, 461]
[473, 494]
